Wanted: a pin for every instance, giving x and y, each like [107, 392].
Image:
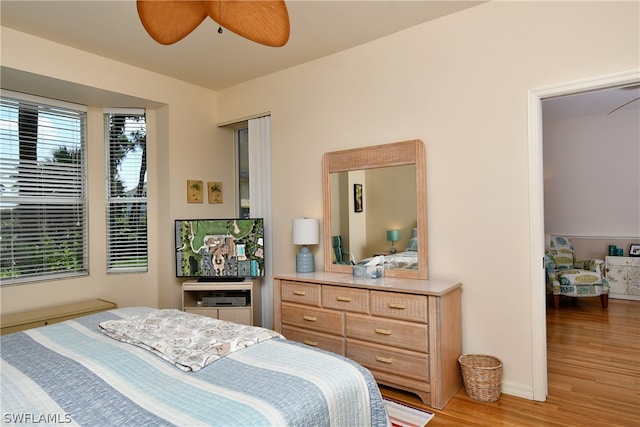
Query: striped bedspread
[72, 374]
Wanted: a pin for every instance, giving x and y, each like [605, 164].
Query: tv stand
[250, 314]
[220, 279]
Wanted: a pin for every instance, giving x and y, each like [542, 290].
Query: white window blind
[43, 205]
[126, 191]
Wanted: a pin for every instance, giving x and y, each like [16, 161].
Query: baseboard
[624, 296]
[517, 390]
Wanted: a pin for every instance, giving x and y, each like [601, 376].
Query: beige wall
[183, 143]
[460, 84]
[390, 203]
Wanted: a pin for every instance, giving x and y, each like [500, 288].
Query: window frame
[119, 252]
[242, 171]
[60, 240]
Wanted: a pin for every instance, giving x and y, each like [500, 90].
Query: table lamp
[393, 236]
[305, 232]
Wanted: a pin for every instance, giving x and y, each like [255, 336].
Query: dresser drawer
[318, 319]
[399, 306]
[327, 342]
[348, 299]
[398, 362]
[302, 293]
[393, 333]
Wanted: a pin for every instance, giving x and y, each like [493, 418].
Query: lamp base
[304, 261]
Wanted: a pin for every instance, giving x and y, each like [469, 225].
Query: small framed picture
[634, 249]
[194, 191]
[214, 191]
[358, 202]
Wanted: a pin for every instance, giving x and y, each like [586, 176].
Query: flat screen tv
[219, 249]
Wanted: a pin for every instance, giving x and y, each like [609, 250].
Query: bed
[405, 260]
[74, 373]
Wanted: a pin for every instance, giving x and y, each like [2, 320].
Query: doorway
[536, 204]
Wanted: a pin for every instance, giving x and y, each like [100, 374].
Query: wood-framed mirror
[375, 203]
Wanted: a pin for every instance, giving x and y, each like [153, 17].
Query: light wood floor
[593, 362]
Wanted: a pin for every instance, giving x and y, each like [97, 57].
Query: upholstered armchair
[340, 256]
[570, 277]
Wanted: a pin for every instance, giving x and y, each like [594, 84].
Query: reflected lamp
[306, 232]
[393, 236]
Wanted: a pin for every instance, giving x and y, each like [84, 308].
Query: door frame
[536, 210]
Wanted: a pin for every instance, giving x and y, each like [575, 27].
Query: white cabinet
[237, 302]
[623, 275]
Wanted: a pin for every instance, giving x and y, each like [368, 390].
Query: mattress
[71, 373]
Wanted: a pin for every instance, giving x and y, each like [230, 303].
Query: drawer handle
[343, 299]
[299, 293]
[311, 343]
[310, 318]
[384, 359]
[397, 306]
[383, 331]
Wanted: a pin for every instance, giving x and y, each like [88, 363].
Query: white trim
[517, 389]
[625, 296]
[536, 206]
[42, 100]
[246, 119]
[602, 82]
[536, 254]
[137, 111]
[580, 236]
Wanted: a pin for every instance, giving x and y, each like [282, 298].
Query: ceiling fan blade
[262, 21]
[168, 21]
[626, 103]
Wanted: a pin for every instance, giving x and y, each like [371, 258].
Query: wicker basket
[482, 376]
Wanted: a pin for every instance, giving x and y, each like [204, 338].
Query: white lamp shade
[306, 231]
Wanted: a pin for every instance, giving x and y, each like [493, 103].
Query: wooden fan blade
[262, 21]
[169, 21]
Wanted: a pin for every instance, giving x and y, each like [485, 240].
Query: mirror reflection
[374, 204]
[374, 213]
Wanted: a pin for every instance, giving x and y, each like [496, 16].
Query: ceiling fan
[635, 86]
[262, 21]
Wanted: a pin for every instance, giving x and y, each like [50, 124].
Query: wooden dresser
[407, 332]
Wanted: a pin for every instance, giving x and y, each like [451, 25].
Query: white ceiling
[111, 28]
[318, 28]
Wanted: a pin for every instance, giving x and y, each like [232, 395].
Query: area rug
[406, 416]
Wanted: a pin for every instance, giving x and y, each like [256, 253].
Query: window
[126, 191]
[43, 204]
[242, 142]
